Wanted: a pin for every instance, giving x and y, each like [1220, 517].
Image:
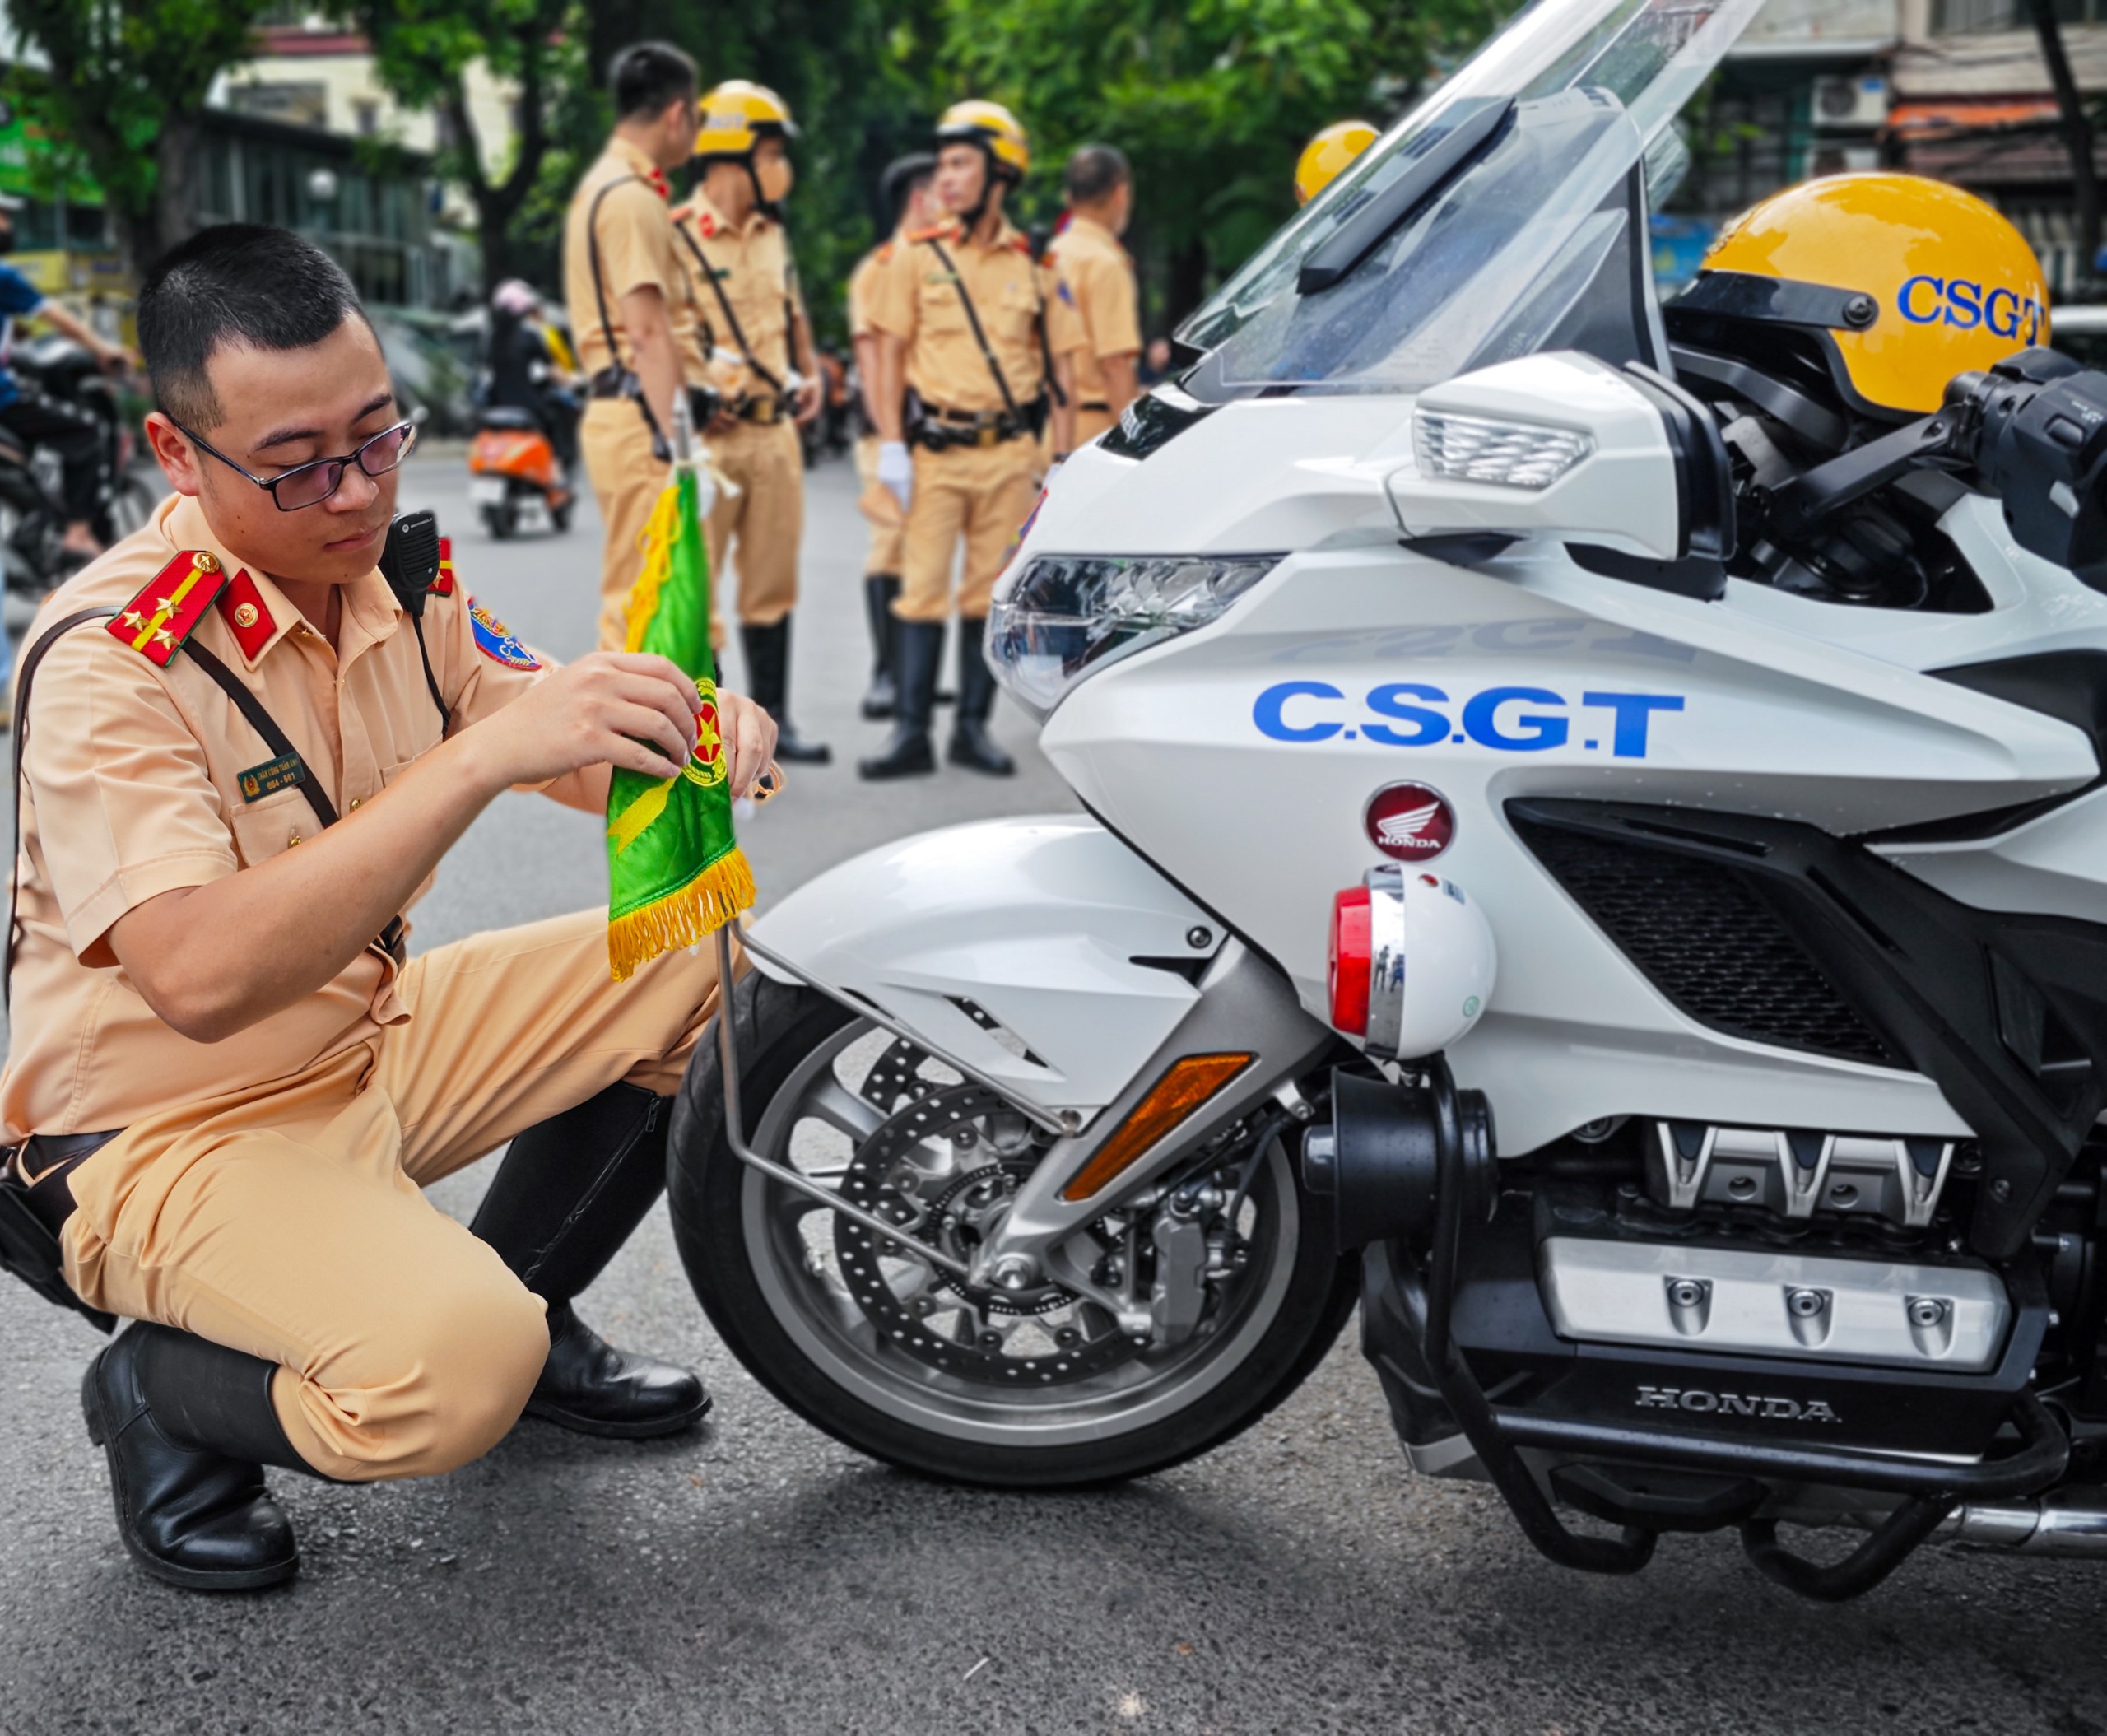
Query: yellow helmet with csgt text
[1901, 282]
[1326, 154]
[992, 127]
[738, 114]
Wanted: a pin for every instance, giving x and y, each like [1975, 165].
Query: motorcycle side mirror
[1620, 464]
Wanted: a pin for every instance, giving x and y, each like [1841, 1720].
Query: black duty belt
[614, 381]
[940, 430]
[765, 411]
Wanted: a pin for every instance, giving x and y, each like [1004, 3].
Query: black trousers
[37, 419]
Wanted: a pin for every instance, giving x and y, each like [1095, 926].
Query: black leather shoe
[186, 1425]
[971, 746]
[589, 1385]
[917, 647]
[793, 749]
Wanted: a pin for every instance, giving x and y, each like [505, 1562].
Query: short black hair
[646, 75]
[1095, 172]
[902, 176]
[246, 285]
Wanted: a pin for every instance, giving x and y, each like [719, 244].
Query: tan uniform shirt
[1100, 276]
[751, 265]
[863, 286]
[636, 247]
[133, 787]
[916, 298]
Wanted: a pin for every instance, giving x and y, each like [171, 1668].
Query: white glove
[896, 471]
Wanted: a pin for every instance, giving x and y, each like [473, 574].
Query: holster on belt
[31, 1219]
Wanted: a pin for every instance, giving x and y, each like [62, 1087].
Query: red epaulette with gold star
[248, 616]
[156, 622]
[443, 585]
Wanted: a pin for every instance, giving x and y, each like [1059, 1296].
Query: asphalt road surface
[757, 1577]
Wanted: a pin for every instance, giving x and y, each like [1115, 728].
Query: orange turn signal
[1187, 1084]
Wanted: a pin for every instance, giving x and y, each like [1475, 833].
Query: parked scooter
[514, 480]
[1697, 1080]
[32, 517]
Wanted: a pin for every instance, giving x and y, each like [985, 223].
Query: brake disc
[935, 1169]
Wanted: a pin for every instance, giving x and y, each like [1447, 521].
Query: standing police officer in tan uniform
[623, 281]
[750, 345]
[907, 195]
[1100, 274]
[976, 346]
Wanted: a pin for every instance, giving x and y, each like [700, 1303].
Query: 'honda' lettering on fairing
[1963, 303]
[1518, 720]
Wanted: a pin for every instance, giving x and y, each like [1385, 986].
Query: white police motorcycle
[1542, 880]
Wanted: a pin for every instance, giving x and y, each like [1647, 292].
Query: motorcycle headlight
[1065, 617]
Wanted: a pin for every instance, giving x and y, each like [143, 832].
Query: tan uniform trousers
[983, 493]
[627, 480]
[288, 1221]
[764, 522]
[884, 554]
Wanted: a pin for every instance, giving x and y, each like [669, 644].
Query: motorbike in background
[514, 481]
[32, 515]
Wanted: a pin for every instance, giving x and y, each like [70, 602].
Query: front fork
[1246, 1023]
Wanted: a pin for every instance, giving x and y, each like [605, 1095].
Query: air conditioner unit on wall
[1859, 100]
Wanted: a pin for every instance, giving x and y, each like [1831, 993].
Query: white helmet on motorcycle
[1412, 962]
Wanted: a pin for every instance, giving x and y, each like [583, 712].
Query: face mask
[775, 177]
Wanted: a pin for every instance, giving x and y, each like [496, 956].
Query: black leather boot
[187, 1427]
[571, 1190]
[879, 590]
[768, 671]
[971, 746]
[916, 646]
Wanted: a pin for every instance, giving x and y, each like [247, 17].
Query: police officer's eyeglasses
[311, 484]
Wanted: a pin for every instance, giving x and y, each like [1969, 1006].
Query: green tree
[1212, 100]
[423, 50]
[121, 91]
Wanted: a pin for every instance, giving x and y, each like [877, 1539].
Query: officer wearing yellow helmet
[1328, 153]
[747, 349]
[1895, 282]
[976, 342]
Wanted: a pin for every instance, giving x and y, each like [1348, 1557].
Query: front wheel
[1044, 1389]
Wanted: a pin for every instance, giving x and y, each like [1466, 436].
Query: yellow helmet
[1902, 282]
[993, 128]
[737, 115]
[1326, 154]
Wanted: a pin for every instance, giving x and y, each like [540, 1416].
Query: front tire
[784, 1297]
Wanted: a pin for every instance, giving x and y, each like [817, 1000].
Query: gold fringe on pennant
[657, 543]
[697, 910]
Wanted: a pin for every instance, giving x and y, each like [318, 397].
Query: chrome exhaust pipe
[2063, 1523]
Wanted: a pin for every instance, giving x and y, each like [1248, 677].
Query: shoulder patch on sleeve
[248, 616]
[156, 622]
[496, 641]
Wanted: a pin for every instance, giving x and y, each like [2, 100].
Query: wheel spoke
[833, 1103]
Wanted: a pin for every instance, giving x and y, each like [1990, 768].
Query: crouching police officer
[976, 343]
[255, 730]
[749, 343]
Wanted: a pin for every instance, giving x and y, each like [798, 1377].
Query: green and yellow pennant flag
[675, 871]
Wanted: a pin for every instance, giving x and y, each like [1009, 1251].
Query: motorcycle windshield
[1498, 217]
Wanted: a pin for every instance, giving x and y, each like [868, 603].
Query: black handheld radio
[409, 560]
